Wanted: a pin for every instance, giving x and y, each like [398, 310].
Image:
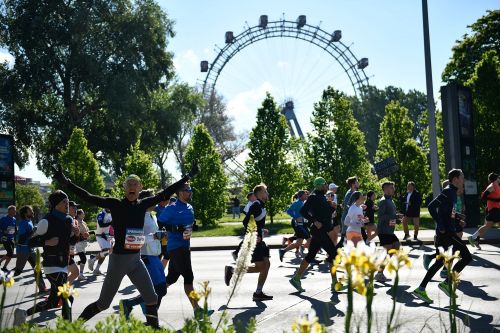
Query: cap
[332, 186]
[319, 181]
[56, 197]
[74, 204]
[249, 194]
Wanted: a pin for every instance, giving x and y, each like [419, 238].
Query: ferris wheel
[348, 67]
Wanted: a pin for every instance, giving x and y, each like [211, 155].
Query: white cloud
[243, 106]
[187, 58]
[6, 57]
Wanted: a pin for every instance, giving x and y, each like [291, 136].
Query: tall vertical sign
[459, 147]
[7, 185]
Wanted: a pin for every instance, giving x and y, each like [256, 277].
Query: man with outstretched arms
[128, 222]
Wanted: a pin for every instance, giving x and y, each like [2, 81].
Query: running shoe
[127, 307]
[422, 294]
[19, 317]
[445, 287]
[297, 285]
[228, 274]
[406, 237]
[380, 277]
[261, 297]
[282, 254]
[444, 273]
[427, 261]
[472, 241]
[91, 262]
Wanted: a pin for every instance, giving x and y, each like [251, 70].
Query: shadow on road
[472, 290]
[325, 311]
[241, 319]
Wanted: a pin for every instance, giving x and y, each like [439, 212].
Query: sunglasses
[189, 190]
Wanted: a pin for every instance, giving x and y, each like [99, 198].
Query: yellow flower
[295, 326]
[9, 282]
[194, 296]
[66, 291]
[338, 286]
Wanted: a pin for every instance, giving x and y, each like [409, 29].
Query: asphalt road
[479, 309]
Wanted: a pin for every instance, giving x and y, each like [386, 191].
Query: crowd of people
[144, 234]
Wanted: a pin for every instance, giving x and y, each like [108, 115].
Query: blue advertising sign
[7, 181]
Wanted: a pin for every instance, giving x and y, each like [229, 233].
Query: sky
[388, 33]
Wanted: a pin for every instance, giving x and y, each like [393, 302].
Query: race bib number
[11, 230]
[134, 239]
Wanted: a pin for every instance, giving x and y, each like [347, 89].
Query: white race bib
[11, 230]
[134, 239]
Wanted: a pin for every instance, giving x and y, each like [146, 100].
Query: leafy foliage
[396, 141]
[469, 50]
[30, 195]
[80, 65]
[369, 110]
[268, 160]
[485, 84]
[209, 186]
[139, 163]
[82, 168]
[336, 147]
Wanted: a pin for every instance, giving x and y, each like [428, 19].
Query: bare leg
[416, 226]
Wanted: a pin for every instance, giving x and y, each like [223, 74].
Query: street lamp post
[433, 151]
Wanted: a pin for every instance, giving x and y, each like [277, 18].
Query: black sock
[152, 316]
[90, 311]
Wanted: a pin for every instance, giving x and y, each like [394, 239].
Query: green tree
[485, 85]
[30, 195]
[172, 111]
[269, 160]
[369, 110]
[469, 50]
[396, 141]
[209, 186]
[336, 145]
[82, 168]
[139, 163]
[80, 64]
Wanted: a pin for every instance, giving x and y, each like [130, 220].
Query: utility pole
[433, 151]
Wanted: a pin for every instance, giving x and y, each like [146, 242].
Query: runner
[164, 239]
[387, 220]
[331, 197]
[353, 185]
[371, 208]
[82, 243]
[128, 220]
[7, 233]
[150, 253]
[73, 271]
[492, 197]
[179, 222]
[25, 253]
[298, 224]
[54, 233]
[441, 210]
[355, 219]
[103, 238]
[317, 211]
[260, 256]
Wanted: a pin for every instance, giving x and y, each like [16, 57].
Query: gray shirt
[386, 212]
